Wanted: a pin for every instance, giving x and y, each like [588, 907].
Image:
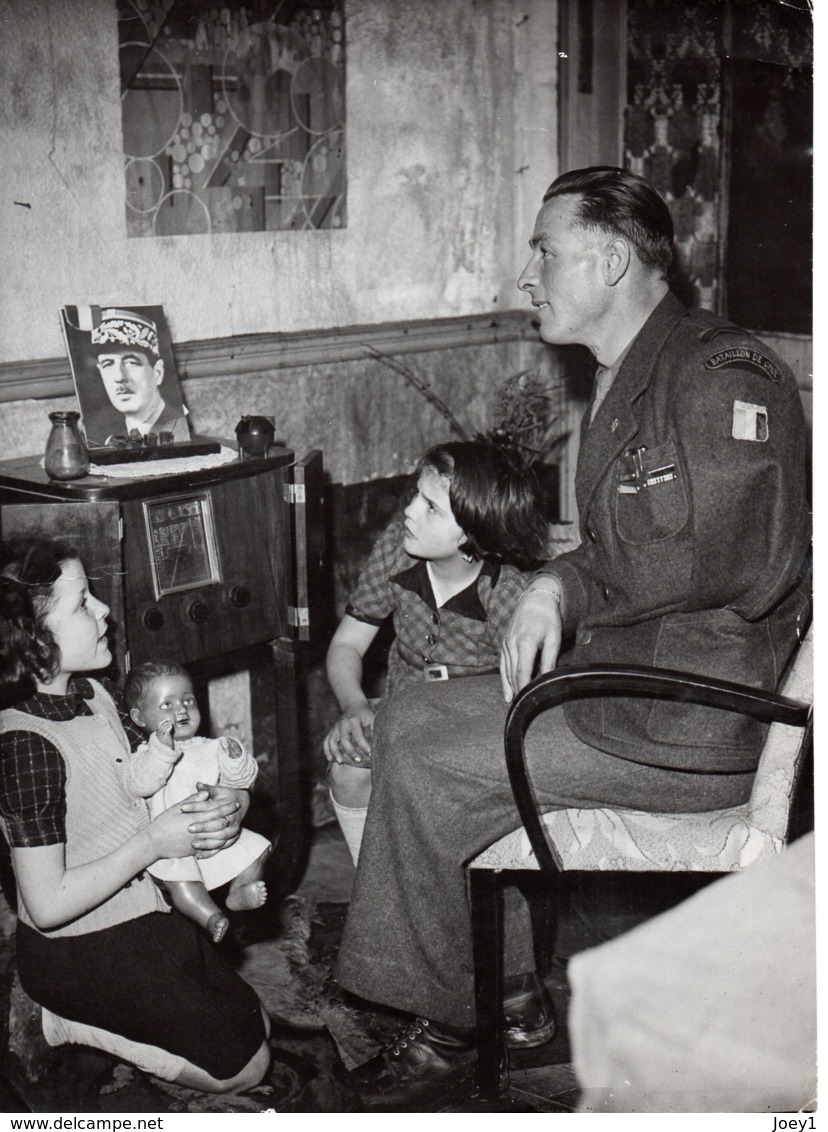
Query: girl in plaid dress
[449, 573]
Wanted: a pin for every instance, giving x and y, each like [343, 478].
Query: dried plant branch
[525, 417]
[422, 387]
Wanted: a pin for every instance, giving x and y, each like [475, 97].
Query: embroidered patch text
[740, 356]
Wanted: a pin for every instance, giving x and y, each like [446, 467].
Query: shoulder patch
[723, 328]
[741, 357]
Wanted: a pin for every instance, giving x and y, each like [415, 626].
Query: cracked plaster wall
[452, 138]
[451, 108]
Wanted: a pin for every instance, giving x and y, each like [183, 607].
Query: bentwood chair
[618, 840]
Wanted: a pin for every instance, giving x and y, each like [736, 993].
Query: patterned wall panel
[673, 126]
[679, 110]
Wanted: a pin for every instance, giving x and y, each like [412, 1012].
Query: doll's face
[169, 698]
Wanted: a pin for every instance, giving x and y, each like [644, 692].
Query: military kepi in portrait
[124, 374]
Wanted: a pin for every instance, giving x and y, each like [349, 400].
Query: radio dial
[240, 596]
[198, 612]
[153, 619]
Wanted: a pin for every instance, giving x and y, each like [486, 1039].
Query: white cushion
[615, 840]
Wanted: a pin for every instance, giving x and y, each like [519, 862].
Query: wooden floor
[308, 1071]
[540, 1080]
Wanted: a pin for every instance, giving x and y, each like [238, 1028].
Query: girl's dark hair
[495, 498]
[619, 203]
[140, 678]
[29, 568]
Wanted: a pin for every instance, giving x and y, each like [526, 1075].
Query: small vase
[66, 455]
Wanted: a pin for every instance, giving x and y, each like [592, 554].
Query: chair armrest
[556, 687]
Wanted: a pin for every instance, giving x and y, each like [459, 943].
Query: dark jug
[255, 435]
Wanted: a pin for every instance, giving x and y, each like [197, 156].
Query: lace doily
[142, 468]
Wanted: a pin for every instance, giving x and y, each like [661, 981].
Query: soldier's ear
[616, 261]
[158, 368]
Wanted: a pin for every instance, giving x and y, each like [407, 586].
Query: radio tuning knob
[198, 612]
[240, 596]
[153, 619]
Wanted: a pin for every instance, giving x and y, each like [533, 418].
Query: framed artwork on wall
[124, 373]
[233, 115]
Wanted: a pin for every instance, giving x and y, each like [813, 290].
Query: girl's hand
[171, 833]
[220, 811]
[349, 740]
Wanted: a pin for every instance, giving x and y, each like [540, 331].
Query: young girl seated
[451, 575]
[172, 765]
[97, 946]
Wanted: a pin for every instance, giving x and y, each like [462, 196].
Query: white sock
[352, 823]
[152, 1059]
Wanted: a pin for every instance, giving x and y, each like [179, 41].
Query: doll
[175, 763]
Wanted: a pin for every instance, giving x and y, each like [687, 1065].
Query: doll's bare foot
[217, 925]
[247, 896]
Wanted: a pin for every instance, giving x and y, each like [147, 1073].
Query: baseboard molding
[258, 353]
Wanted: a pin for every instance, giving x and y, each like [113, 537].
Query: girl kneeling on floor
[112, 966]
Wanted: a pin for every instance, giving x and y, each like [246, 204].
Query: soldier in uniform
[694, 524]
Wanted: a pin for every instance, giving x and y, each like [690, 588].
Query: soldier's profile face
[131, 379]
[564, 276]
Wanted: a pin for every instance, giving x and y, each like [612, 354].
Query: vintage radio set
[213, 567]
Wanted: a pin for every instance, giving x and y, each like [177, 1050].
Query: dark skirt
[158, 980]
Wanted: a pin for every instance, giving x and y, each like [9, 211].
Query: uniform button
[591, 535]
[435, 619]
[584, 636]
[605, 590]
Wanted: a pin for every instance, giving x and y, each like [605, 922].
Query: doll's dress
[200, 763]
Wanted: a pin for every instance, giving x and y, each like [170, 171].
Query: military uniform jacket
[694, 529]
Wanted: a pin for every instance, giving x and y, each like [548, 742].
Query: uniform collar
[641, 352]
[467, 603]
[619, 361]
[60, 709]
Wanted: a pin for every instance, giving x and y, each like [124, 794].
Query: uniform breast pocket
[650, 495]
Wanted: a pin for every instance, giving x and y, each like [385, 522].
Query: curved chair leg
[487, 933]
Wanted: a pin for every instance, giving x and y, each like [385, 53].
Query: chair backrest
[784, 750]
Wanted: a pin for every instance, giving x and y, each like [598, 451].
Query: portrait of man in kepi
[125, 389]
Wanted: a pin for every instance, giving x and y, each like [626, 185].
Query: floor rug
[315, 1038]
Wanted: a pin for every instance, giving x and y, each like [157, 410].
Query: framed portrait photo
[124, 374]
